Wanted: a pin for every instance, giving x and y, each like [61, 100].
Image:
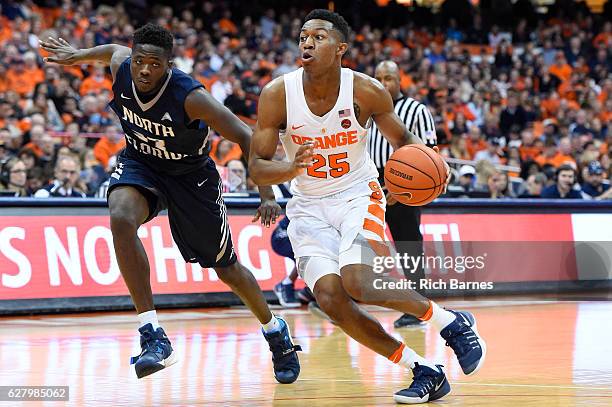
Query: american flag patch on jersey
[344, 113]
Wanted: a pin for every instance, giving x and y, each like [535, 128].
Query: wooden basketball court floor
[540, 353]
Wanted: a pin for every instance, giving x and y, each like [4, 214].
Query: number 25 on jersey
[337, 167]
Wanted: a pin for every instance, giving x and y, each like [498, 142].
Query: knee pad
[362, 251]
[312, 268]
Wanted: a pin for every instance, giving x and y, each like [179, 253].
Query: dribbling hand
[303, 158]
[390, 199]
[437, 150]
[62, 52]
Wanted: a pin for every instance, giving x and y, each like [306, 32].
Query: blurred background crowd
[521, 96]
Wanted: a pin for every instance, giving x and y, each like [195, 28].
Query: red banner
[72, 256]
[509, 247]
[62, 256]
[497, 227]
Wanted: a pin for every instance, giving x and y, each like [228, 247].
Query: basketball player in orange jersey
[337, 211]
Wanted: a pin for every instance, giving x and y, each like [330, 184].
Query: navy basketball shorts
[196, 210]
[280, 240]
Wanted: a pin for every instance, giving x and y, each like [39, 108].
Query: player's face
[390, 80]
[319, 44]
[150, 65]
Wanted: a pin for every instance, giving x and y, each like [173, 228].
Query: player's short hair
[154, 34]
[339, 23]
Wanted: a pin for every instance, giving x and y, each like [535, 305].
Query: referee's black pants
[404, 222]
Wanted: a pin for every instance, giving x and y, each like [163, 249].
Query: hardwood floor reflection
[539, 354]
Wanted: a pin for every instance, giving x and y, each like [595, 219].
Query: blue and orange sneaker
[461, 335]
[156, 352]
[427, 385]
[284, 356]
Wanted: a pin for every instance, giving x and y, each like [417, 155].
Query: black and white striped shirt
[418, 120]
[102, 189]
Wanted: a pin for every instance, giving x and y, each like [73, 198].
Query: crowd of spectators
[518, 109]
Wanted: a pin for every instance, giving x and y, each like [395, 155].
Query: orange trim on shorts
[377, 211]
[397, 355]
[428, 314]
[376, 201]
[374, 227]
[380, 248]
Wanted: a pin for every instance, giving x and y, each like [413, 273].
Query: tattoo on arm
[357, 110]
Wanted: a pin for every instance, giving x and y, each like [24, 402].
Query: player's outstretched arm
[271, 117]
[381, 105]
[65, 54]
[200, 104]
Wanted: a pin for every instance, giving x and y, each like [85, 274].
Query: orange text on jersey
[330, 141]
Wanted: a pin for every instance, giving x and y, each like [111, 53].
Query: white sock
[287, 281]
[410, 357]
[148, 317]
[272, 326]
[440, 318]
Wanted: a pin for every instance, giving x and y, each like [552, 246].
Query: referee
[403, 220]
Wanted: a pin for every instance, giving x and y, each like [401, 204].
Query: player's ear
[342, 48]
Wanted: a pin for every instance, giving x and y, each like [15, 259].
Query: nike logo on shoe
[297, 127]
[124, 97]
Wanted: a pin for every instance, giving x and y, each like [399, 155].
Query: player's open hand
[390, 199]
[268, 211]
[303, 158]
[437, 150]
[389, 196]
[62, 52]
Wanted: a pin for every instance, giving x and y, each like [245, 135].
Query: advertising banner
[72, 256]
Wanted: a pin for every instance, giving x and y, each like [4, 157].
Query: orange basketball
[415, 175]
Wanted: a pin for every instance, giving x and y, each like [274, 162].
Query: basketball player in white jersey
[337, 211]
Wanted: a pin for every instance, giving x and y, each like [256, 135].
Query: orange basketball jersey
[341, 159]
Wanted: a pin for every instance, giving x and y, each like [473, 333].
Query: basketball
[415, 175]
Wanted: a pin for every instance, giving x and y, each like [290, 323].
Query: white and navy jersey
[158, 132]
[340, 158]
[417, 119]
